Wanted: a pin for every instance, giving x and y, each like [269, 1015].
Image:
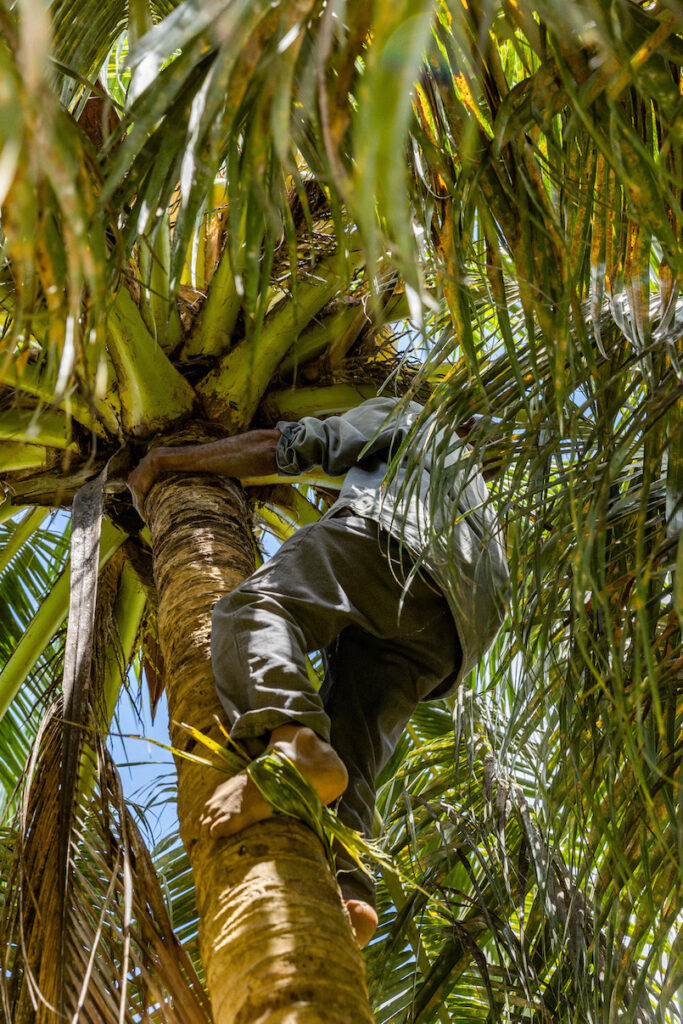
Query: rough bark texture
[275, 941]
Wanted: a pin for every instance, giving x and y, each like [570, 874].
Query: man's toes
[363, 919]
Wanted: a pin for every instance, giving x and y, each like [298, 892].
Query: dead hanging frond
[122, 961]
[84, 928]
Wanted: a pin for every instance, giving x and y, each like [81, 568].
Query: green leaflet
[281, 783]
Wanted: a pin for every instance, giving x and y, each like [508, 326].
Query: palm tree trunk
[275, 942]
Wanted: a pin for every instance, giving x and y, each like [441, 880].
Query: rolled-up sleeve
[339, 442]
[289, 454]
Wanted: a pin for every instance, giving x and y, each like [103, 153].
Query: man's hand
[146, 473]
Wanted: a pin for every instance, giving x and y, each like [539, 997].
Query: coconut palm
[218, 238]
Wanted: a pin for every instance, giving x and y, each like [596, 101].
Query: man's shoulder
[392, 405]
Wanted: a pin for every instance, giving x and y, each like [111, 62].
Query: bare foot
[363, 920]
[237, 803]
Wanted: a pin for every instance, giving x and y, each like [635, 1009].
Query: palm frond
[53, 240]
[122, 957]
[511, 928]
[591, 667]
[33, 559]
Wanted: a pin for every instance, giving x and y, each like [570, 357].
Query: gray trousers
[335, 586]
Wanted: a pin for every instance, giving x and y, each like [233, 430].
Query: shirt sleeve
[340, 442]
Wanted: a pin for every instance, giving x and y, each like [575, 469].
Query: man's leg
[371, 690]
[328, 577]
[261, 633]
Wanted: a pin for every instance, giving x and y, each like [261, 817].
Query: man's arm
[339, 442]
[240, 456]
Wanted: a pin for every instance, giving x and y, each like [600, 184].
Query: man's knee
[230, 607]
[239, 613]
[227, 621]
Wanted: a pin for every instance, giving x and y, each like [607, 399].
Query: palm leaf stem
[213, 328]
[34, 381]
[316, 339]
[17, 456]
[312, 479]
[152, 392]
[243, 375]
[163, 310]
[49, 429]
[292, 404]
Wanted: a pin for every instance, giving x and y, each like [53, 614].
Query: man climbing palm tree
[403, 596]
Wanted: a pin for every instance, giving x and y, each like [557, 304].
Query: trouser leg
[331, 580]
[262, 630]
[372, 688]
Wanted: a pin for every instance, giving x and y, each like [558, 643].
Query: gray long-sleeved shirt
[455, 536]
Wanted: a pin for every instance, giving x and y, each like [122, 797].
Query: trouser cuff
[257, 724]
